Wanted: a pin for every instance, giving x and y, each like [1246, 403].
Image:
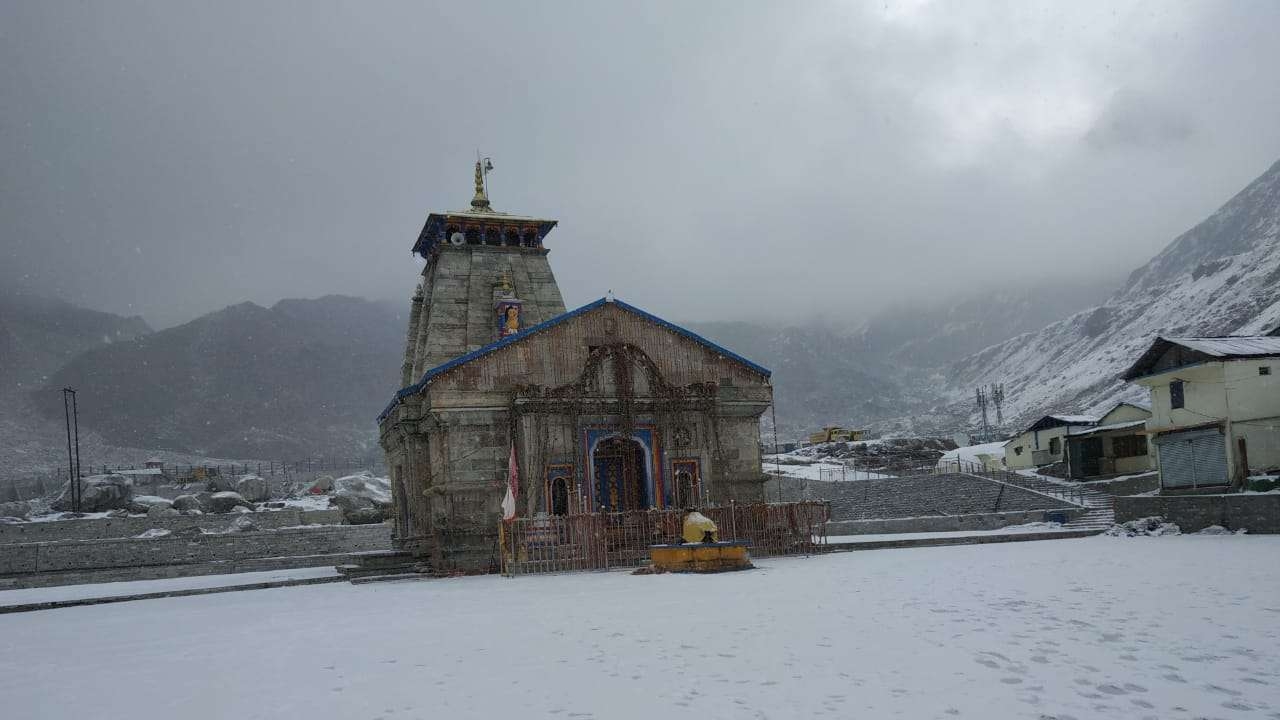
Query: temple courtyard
[1103, 627]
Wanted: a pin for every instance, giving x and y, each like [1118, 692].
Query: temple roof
[435, 372]
[481, 213]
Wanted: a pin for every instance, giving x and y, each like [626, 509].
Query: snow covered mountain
[1220, 277]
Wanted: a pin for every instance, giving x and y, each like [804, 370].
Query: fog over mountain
[709, 161]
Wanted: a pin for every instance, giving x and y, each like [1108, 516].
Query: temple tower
[486, 277]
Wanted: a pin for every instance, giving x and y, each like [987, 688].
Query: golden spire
[481, 200]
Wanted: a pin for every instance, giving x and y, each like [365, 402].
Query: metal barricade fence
[602, 541]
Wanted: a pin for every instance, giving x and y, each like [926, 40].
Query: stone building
[607, 407]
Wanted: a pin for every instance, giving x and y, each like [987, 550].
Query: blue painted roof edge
[695, 337]
[511, 339]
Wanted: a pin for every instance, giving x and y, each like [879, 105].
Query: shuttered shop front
[1196, 458]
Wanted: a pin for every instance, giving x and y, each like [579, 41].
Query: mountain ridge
[1220, 277]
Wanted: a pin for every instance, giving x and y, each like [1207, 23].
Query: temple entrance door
[622, 477]
[560, 496]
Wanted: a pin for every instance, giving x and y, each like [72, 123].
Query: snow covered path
[1171, 627]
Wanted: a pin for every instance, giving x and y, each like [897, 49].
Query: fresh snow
[1029, 528]
[972, 453]
[61, 593]
[1171, 627]
[829, 471]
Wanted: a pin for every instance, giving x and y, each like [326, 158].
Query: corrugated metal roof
[1105, 428]
[1226, 347]
[1052, 421]
[1075, 419]
[431, 374]
[1236, 346]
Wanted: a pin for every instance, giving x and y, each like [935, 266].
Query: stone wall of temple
[456, 315]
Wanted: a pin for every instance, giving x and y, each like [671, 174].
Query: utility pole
[982, 405]
[71, 414]
[997, 396]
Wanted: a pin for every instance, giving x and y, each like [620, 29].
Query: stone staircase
[1100, 514]
[383, 566]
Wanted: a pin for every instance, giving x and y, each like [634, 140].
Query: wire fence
[602, 541]
[47, 484]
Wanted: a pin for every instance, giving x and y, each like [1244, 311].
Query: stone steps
[386, 565]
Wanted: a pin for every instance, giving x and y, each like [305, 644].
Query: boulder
[244, 523]
[363, 498]
[118, 513]
[226, 501]
[364, 516]
[19, 509]
[253, 488]
[142, 504]
[161, 511]
[221, 483]
[99, 493]
[187, 503]
[322, 485]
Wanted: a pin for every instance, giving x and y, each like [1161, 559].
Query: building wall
[1019, 461]
[1204, 398]
[1124, 413]
[456, 314]
[1033, 443]
[1231, 393]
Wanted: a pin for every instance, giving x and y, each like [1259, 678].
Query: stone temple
[608, 408]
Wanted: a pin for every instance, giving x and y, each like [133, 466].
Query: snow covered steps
[384, 566]
[933, 539]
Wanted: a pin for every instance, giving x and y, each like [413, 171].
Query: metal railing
[1066, 493]
[601, 541]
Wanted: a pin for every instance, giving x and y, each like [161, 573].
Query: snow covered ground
[808, 469]
[975, 455]
[60, 593]
[1170, 627]
[1027, 529]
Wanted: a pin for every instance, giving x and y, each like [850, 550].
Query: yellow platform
[700, 557]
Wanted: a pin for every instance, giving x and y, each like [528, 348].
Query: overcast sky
[705, 160]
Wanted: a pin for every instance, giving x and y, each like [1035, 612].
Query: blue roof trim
[695, 337]
[431, 374]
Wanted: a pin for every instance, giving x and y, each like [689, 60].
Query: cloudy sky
[706, 160]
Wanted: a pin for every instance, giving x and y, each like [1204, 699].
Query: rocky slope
[1220, 277]
[302, 378]
[39, 335]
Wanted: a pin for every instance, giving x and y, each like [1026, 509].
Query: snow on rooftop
[1075, 419]
[1105, 428]
[1236, 346]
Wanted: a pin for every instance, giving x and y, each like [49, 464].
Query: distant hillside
[874, 374]
[940, 332]
[305, 377]
[1220, 277]
[39, 335]
[819, 376]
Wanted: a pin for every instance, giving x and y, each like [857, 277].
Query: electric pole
[71, 413]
